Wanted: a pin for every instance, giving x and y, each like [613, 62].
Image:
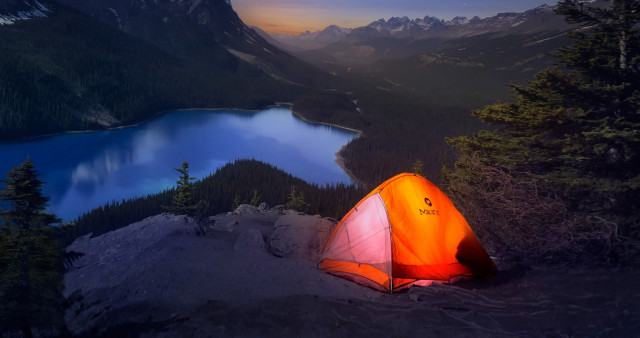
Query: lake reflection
[86, 170]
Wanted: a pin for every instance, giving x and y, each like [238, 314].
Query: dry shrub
[516, 219]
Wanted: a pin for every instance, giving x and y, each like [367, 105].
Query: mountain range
[539, 19]
[96, 64]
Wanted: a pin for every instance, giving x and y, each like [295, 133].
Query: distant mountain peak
[538, 19]
[458, 20]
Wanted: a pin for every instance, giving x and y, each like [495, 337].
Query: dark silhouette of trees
[30, 258]
[235, 183]
[574, 129]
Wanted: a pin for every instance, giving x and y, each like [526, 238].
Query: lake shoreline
[124, 126]
[76, 164]
[340, 160]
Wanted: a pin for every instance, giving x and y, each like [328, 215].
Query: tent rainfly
[405, 232]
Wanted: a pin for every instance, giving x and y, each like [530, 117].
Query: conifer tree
[576, 127]
[417, 167]
[30, 261]
[296, 201]
[23, 194]
[255, 200]
[183, 201]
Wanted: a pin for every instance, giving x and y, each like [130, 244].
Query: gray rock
[300, 236]
[250, 240]
[263, 206]
[279, 208]
[225, 226]
[245, 209]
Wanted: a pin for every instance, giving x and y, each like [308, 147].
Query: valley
[528, 122]
[413, 86]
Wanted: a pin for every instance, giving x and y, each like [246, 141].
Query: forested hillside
[412, 93]
[68, 72]
[236, 183]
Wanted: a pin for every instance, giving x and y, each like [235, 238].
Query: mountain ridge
[92, 65]
[429, 27]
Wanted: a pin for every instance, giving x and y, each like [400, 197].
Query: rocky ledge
[252, 272]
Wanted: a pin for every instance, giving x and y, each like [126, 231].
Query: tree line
[240, 182]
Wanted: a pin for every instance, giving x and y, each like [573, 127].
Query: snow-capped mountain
[14, 10]
[539, 19]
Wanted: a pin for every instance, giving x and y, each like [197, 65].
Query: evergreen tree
[255, 200]
[23, 194]
[236, 201]
[576, 127]
[417, 167]
[183, 201]
[296, 201]
[30, 263]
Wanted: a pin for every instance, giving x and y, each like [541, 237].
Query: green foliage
[296, 201]
[236, 201]
[255, 199]
[183, 202]
[23, 194]
[417, 167]
[576, 127]
[30, 280]
[30, 262]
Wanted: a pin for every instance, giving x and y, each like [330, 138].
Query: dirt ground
[157, 278]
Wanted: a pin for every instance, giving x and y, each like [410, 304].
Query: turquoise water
[85, 170]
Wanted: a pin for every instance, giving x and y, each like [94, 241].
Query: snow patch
[36, 10]
[115, 13]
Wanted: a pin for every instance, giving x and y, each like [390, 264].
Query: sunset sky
[296, 16]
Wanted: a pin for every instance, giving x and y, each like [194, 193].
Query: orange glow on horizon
[288, 20]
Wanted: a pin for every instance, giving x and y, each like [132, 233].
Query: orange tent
[404, 232]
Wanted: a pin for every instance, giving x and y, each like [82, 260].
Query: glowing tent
[404, 232]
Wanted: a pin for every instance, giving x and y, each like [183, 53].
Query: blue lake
[85, 170]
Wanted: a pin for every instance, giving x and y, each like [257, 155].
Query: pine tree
[183, 201]
[236, 201]
[417, 167]
[23, 194]
[30, 263]
[255, 200]
[575, 127]
[296, 201]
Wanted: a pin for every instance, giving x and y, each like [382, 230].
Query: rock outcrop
[300, 236]
[162, 268]
[253, 273]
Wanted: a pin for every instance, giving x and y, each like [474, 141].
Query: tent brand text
[429, 212]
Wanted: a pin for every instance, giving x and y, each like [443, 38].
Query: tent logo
[428, 211]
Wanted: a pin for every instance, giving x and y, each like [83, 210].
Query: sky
[297, 16]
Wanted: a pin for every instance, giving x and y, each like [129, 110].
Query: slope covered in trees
[30, 258]
[239, 182]
[71, 72]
